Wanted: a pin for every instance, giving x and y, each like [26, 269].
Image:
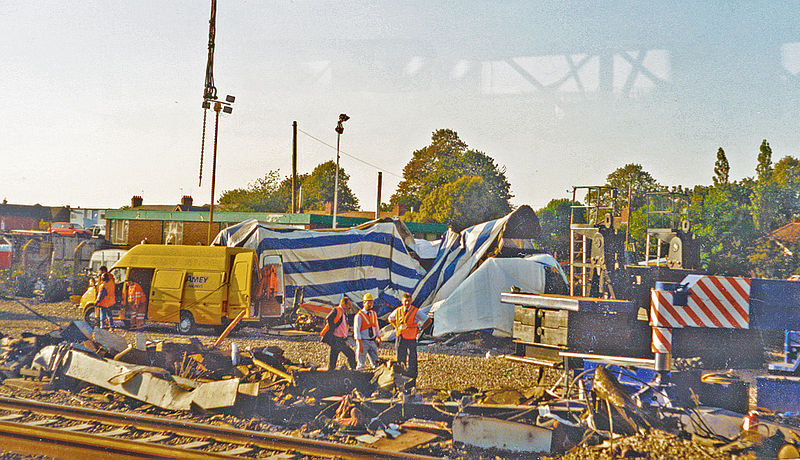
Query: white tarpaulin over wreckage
[475, 303]
[461, 252]
[372, 258]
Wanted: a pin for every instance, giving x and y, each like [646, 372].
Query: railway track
[36, 428]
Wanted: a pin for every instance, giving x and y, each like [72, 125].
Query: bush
[55, 289]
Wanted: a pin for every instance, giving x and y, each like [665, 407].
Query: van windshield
[119, 274]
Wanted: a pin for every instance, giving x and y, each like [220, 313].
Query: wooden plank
[525, 315]
[407, 440]
[523, 332]
[552, 336]
[553, 318]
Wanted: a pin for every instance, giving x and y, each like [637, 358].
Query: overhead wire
[349, 155]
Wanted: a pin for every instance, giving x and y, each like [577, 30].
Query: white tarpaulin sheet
[475, 303]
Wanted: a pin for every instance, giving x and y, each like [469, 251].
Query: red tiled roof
[789, 233]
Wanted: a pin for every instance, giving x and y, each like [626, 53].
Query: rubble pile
[589, 415]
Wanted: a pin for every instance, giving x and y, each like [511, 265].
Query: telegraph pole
[294, 166]
[378, 205]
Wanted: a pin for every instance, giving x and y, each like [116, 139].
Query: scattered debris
[601, 409]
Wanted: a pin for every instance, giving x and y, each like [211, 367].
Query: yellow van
[198, 285]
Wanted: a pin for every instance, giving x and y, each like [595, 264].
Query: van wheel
[186, 325]
[90, 317]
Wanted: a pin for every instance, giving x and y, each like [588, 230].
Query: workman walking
[366, 332]
[334, 333]
[105, 299]
[137, 303]
[406, 320]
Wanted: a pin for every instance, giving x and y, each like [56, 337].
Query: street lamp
[339, 130]
[224, 107]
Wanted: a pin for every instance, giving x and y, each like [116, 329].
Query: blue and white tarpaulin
[459, 254]
[331, 264]
[381, 259]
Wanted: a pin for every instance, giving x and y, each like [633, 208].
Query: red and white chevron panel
[662, 340]
[713, 301]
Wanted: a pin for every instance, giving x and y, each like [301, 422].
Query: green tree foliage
[638, 223]
[776, 192]
[318, 188]
[787, 172]
[459, 204]
[259, 196]
[640, 182]
[772, 259]
[769, 206]
[271, 194]
[787, 176]
[721, 169]
[723, 223]
[764, 166]
[554, 220]
[448, 165]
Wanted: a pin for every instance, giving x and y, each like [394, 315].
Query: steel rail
[273, 441]
[26, 439]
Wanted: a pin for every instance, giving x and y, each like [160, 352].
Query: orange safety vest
[370, 319]
[339, 312]
[406, 324]
[135, 293]
[109, 299]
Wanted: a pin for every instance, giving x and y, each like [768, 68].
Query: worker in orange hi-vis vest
[366, 332]
[335, 332]
[137, 304]
[105, 299]
[406, 320]
[268, 282]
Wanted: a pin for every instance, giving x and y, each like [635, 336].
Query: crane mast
[209, 91]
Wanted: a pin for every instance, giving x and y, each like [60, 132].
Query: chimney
[400, 209]
[136, 201]
[186, 201]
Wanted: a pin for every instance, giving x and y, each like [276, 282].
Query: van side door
[241, 282]
[166, 293]
[268, 294]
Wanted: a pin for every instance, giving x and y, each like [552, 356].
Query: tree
[459, 204]
[787, 172]
[640, 182]
[772, 259]
[723, 223]
[271, 194]
[554, 220]
[318, 188]
[259, 196]
[721, 168]
[764, 166]
[444, 162]
[776, 200]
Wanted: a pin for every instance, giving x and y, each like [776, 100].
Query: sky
[102, 99]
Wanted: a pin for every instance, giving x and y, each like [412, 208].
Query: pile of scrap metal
[598, 407]
[609, 409]
[172, 375]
